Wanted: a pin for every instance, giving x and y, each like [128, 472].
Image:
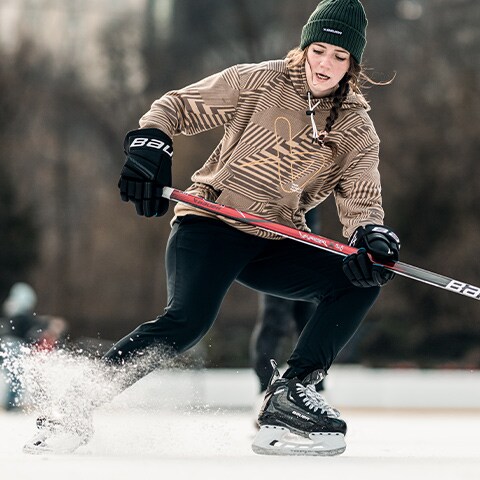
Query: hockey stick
[318, 241]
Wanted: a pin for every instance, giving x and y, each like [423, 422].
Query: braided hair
[338, 98]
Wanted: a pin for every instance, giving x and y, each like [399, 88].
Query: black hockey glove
[147, 169]
[382, 244]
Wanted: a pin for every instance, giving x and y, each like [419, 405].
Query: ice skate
[296, 420]
[59, 435]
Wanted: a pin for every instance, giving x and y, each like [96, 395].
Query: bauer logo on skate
[301, 415]
[464, 288]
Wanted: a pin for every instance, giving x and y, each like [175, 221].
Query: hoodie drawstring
[316, 137]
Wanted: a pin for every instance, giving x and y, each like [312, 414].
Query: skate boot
[296, 420]
[60, 435]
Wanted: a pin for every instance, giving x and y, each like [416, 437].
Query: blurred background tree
[19, 231]
[68, 99]
[18, 237]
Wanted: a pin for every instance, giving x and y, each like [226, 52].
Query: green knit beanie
[339, 22]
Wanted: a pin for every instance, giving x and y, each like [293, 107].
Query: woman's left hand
[374, 243]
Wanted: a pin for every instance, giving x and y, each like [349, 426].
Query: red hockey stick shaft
[318, 241]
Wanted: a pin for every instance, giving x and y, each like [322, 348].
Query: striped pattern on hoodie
[266, 162]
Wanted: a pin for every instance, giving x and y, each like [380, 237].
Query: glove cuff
[358, 237]
[379, 240]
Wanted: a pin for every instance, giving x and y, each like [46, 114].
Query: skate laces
[315, 401]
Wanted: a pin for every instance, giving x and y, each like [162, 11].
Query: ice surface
[164, 427]
[132, 443]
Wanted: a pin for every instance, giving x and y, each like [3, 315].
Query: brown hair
[354, 79]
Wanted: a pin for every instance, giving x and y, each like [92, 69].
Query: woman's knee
[180, 334]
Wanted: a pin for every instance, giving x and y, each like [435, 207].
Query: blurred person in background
[295, 131]
[21, 327]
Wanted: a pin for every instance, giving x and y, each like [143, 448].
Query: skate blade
[274, 440]
[55, 444]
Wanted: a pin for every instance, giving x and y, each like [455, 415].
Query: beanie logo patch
[331, 30]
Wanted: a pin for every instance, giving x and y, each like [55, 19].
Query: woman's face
[325, 66]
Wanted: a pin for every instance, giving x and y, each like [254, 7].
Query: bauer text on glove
[147, 169]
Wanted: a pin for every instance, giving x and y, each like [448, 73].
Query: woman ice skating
[295, 131]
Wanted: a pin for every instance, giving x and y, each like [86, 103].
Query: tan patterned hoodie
[266, 162]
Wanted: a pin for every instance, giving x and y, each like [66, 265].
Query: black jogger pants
[205, 256]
